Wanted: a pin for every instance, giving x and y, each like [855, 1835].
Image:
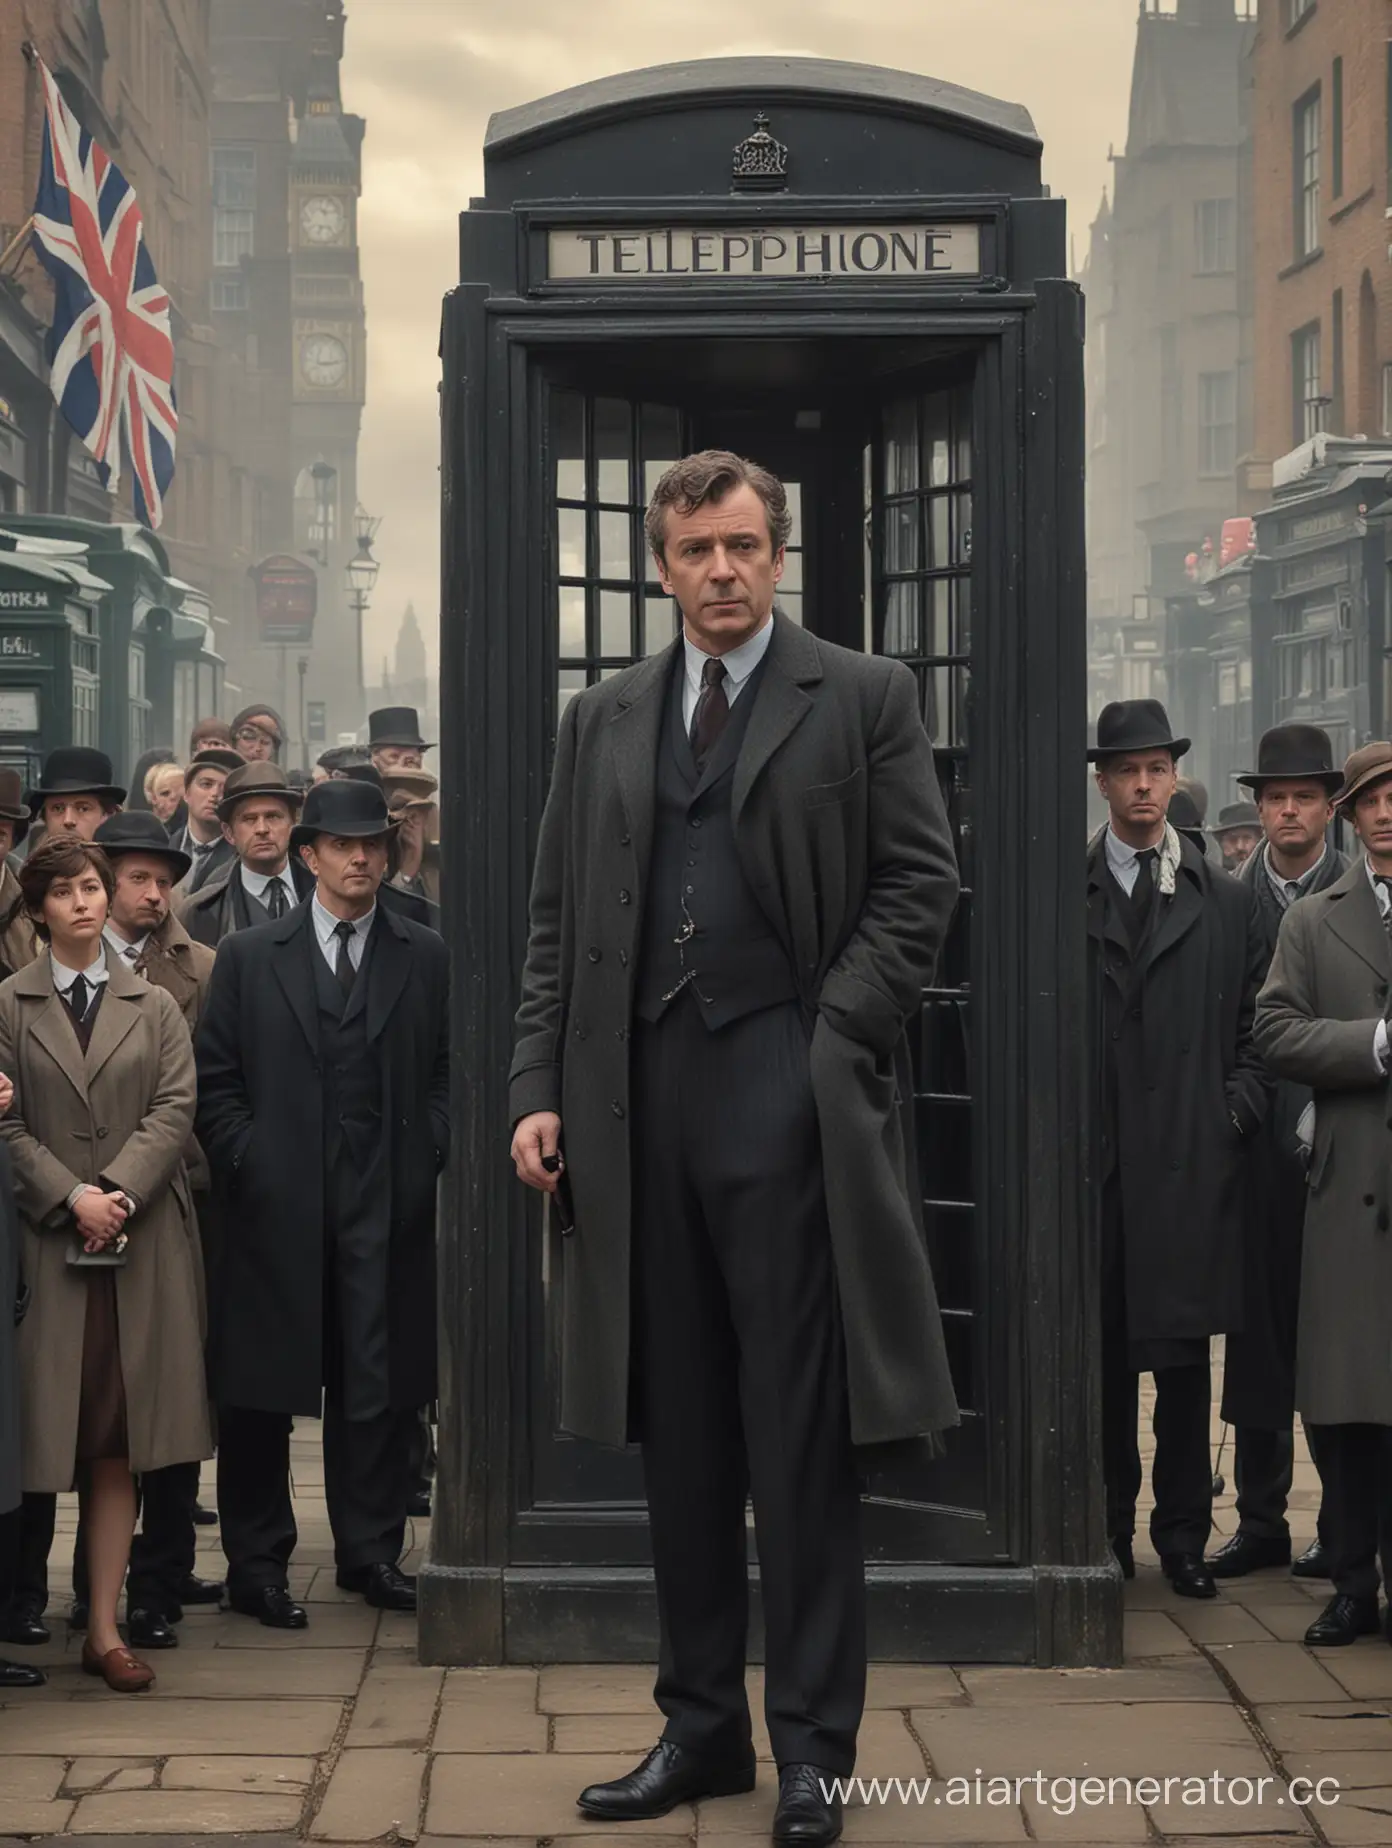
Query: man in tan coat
[142, 931]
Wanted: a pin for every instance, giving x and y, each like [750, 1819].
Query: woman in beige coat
[111, 1357]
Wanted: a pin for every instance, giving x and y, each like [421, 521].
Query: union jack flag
[111, 349]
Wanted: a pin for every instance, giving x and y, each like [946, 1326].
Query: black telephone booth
[855, 277]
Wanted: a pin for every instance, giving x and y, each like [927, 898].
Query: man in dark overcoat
[1294, 785]
[12, 1304]
[743, 878]
[263, 879]
[323, 1111]
[1174, 962]
[1322, 1021]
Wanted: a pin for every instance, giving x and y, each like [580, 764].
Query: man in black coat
[1294, 785]
[13, 1675]
[1175, 958]
[742, 882]
[323, 1111]
[262, 880]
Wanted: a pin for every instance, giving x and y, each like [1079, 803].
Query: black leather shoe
[13, 1675]
[1124, 1554]
[1188, 1575]
[273, 1605]
[670, 1775]
[805, 1815]
[146, 1629]
[204, 1517]
[201, 1591]
[23, 1624]
[1342, 1621]
[1246, 1553]
[386, 1587]
[1312, 1563]
[77, 1615]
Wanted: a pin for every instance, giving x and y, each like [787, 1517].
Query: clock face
[323, 220]
[323, 360]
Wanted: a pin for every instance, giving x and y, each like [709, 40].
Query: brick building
[1164, 339]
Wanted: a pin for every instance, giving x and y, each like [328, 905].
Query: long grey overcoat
[10, 1485]
[1317, 1018]
[122, 1115]
[843, 837]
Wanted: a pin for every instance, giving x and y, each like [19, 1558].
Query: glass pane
[901, 448]
[945, 694]
[939, 593]
[613, 441]
[791, 606]
[937, 429]
[570, 542]
[962, 640]
[660, 436]
[615, 623]
[962, 429]
[572, 621]
[903, 551]
[938, 516]
[569, 682]
[794, 492]
[902, 630]
[659, 623]
[962, 529]
[568, 443]
[792, 574]
[615, 533]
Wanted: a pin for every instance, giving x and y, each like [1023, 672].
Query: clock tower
[328, 369]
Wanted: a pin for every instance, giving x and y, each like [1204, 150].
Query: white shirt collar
[739, 662]
[256, 883]
[1119, 855]
[128, 952]
[325, 923]
[94, 975]
[1302, 884]
[1379, 892]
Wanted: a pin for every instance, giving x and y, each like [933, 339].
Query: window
[1305, 378]
[1214, 226]
[234, 206]
[1296, 10]
[1307, 174]
[229, 294]
[1336, 369]
[1217, 423]
[1171, 402]
[1387, 401]
[1336, 132]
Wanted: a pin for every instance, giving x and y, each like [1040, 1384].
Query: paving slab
[372, 1793]
[1358, 1726]
[1110, 1824]
[1146, 1739]
[32, 1780]
[1350, 1770]
[908, 1684]
[1191, 1679]
[1275, 1815]
[246, 1674]
[490, 1710]
[264, 1776]
[122, 1726]
[395, 1705]
[21, 1817]
[1151, 1635]
[86, 1775]
[1364, 1670]
[183, 1812]
[737, 1820]
[331, 1626]
[476, 1794]
[1362, 1816]
[605, 1687]
[1265, 1673]
[1219, 1622]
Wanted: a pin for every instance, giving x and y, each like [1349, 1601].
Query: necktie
[712, 711]
[275, 900]
[77, 998]
[343, 967]
[1143, 892]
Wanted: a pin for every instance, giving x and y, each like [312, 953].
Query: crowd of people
[184, 1278]
[1239, 1075]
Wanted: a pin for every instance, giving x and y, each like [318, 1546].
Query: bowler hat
[256, 779]
[1183, 814]
[1236, 815]
[12, 805]
[75, 770]
[1370, 763]
[141, 832]
[1129, 725]
[415, 785]
[357, 811]
[395, 725]
[1291, 753]
[213, 757]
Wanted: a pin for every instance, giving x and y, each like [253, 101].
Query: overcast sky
[428, 73]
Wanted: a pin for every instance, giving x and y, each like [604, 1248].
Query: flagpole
[16, 241]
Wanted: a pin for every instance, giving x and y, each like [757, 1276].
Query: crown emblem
[761, 163]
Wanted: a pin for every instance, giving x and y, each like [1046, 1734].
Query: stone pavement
[335, 1734]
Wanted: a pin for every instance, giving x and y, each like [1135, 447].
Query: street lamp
[361, 575]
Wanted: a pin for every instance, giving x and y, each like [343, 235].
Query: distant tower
[410, 651]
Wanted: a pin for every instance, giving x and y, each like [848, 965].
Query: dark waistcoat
[352, 1076]
[740, 965]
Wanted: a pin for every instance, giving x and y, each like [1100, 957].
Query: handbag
[80, 1259]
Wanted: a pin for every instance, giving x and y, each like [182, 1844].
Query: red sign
[287, 594]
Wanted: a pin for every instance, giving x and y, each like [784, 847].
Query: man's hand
[536, 1136]
[6, 1093]
[100, 1217]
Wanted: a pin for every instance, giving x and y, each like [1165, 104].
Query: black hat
[1129, 725]
[140, 832]
[1238, 815]
[75, 770]
[361, 773]
[256, 779]
[1295, 753]
[12, 805]
[1183, 815]
[395, 725]
[212, 757]
[356, 810]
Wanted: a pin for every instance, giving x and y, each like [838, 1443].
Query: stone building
[1164, 338]
[286, 294]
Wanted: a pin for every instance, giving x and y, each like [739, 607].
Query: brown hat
[212, 757]
[257, 779]
[1370, 763]
[13, 807]
[415, 785]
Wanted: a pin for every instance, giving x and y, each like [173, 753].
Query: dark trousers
[1263, 1469]
[739, 1366]
[1355, 1465]
[366, 1485]
[33, 1542]
[1182, 1473]
[163, 1548]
